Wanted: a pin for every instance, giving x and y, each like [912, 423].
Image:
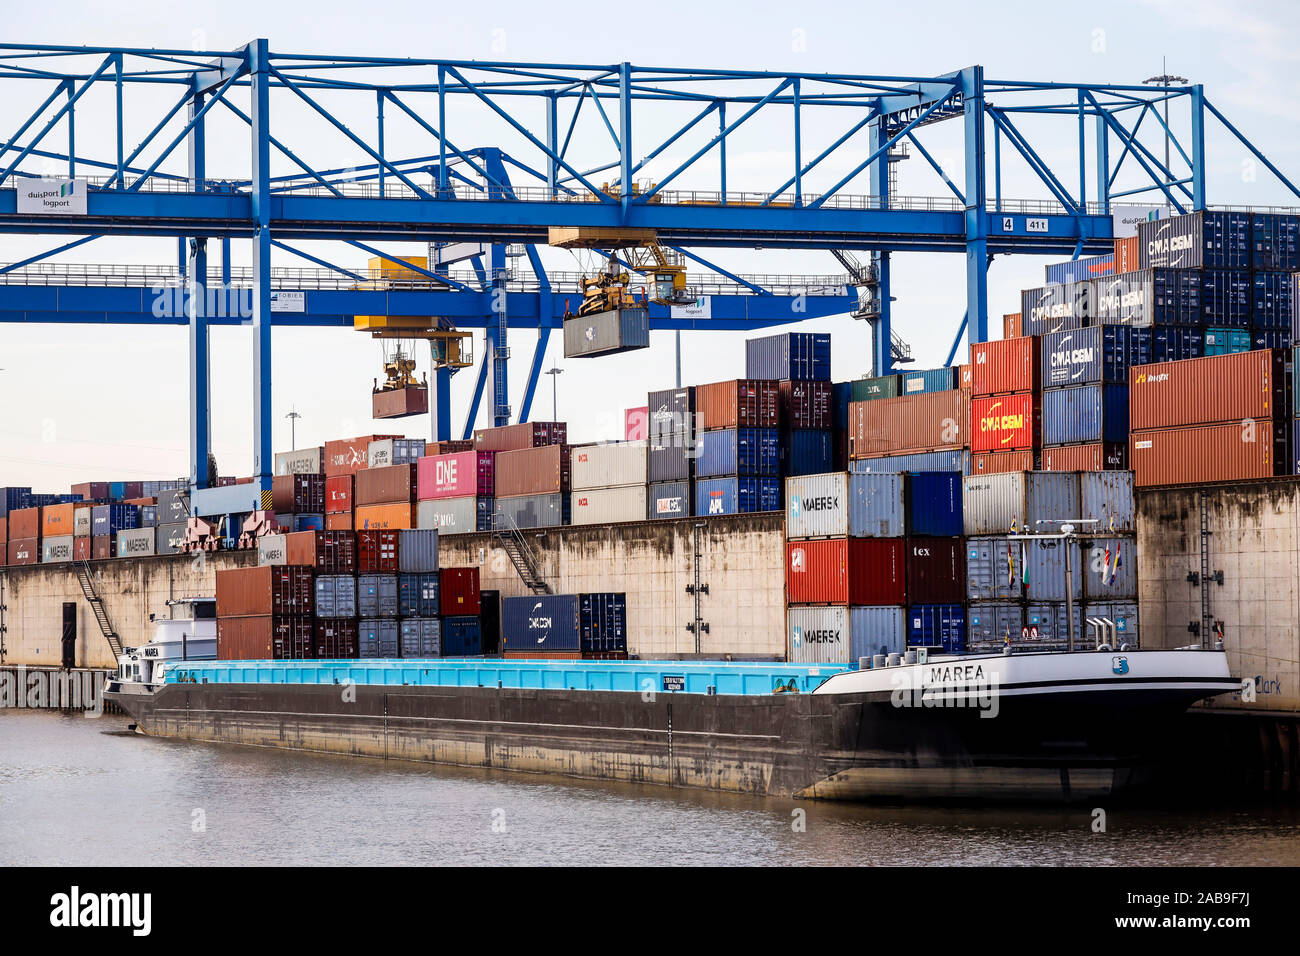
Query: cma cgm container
[1094, 457]
[937, 625]
[738, 451]
[457, 475]
[994, 623]
[729, 496]
[840, 505]
[957, 462]
[1092, 356]
[1005, 422]
[806, 405]
[456, 515]
[1055, 308]
[737, 403]
[24, 550]
[613, 465]
[1005, 366]
[937, 421]
[1220, 388]
[670, 499]
[846, 571]
[934, 504]
[936, 570]
[269, 589]
[541, 623]
[801, 356]
[1076, 270]
[1193, 454]
[1085, 414]
[1210, 240]
[525, 435]
[924, 381]
[607, 505]
[807, 451]
[460, 592]
[303, 461]
[1019, 501]
[1151, 297]
[1000, 462]
[532, 471]
[535, 511]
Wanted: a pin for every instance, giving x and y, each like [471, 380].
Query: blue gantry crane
[617, 148]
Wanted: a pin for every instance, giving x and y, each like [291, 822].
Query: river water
[79, 791]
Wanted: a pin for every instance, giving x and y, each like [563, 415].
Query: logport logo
[74, 909]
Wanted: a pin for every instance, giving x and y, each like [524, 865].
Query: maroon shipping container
[448, 447]
[400, 402]
[846, 571]
[4, 530]
[931, 421]
[338, 495]
[1205, 391]
[298, 494]
[1005, 366]
[91, 490]
[526, 435]
[25, 523]
[328, 552]
[347, 456]
[737, 403]
[335, 639]
[103, 546]
[267, 589]
[132, 489]
[82, 549]
[1096, 457]
[1237, 451]
[24, 551]
[532, 471]
[264, 637]
[992, 462]
[391, 485]
[805, 404]
[936, 570]
[458, 592]
[376, 552]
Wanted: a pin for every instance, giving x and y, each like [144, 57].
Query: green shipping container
[885, 386]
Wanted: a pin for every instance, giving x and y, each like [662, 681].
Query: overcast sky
[95, 402]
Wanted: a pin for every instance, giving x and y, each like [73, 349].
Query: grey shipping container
[876, 630]
[1018, 501]
[1110, 571]
[1044, 568]
[173, 507]
[417, 550]
[271, 549]
[1123, 615]
[993, 623]
[1106, 497]
[378, 638]
[836, 505]
[672, 499]
[57, 549]
[137, 542]
[670, 459]
[1049, 624]
[170, 537]
[818, 635]
[535, 511]
[304, 461]
[377, 595]
[456, 515]
[336, 595]
[958, 461]
[606, 333]
[993, 573]
[420, 637]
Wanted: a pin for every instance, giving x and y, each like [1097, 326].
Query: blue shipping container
[1077, 270]
[336, 595]
[1174, 343]
[602, 622]
[934, 504]
[1100, 353]
[417, 595]
[876, 630]
[117, 490]
[1275, 241]
[956, 461]
[670, 499]
[1226, 298]
[377, 595]
[1085, 414]
[229, 499]
[308, 522]
[937, 625]
[841, 396]
[110, 519]
[462, 637]
[1271, 305]
[929, 380]
[797, 356]
[541, 622]
[807, 451]
[1271, 339]
[14, 499]
[378, 639]
[1227, 341]
[738, 451]
[729, 496]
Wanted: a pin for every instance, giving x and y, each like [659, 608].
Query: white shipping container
[136, 542]
[381, 453]
[1016, 501]
[56, 549]
[304, 461]
[817, 635]
[607, 466]
[455, 515]
[817, 506]
[608, 505]
[272, 549]
[81, 522]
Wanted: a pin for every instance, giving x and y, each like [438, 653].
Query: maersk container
[110, 519]
[377, 595]
[378, 638]
[1085, 413]
[876, 629]
[1110, 569]
[738, 452]
[420, 637]
[336, 595]
[1227, 341]
[271, 548]
[1123, 615]
[304, 461]
[462, 636]
[1018, 501]
[1210, 240]
[535, 511]
[1106, 497]
[59, 549]
[957, 462]
[602, 622]
[934, 504]
[607, 466]
[1077, 270]
[882, 386]
[1091, 356]
[1226, 298]
[818, 635]
[541, 622]
[993, 569]
[730, 496]
[923, 381]
[837, 505]
[417, 550]
[1275, 241]
[937, 625]
[994, 623]
[1055, 308]
[1174, 343]
[671, 499]
[417, 595]
[456, 515]
[807, 451]
[802, 356]
[1271, 301]
[607, 505]
[606, 333]
[1049, 624]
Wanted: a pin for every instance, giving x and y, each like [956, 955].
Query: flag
[1111, 525]
[1011, 567]
[1105, 565]
[1115, 570]
[1024, 568]
[1014, 529]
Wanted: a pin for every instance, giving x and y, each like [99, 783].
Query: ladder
[866, 278]
[92, 598]
[511, 540]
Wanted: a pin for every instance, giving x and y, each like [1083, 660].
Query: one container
[1085, 414]
[456, 515]
[1123, 615]
[1018, 501]
[395, 484]
[418, 595]
[420, 637]
[532, 471]
[606, 333]
[876, 630]
[934, 504]
[994, 623]
[269, 589]
[57, 549]
[807, 451]
[1004, 366]
[377, 595]
[1091, 356]
[937, 625]
[818, 635]
[737, 403]
[378, 638]
[390, 517]
[838, 505]
[1206, 239]
[524, 435]
[926, 380]
[264, 638]
[936, 570]
[457, 475]
[1106, 502]
[729, 496]
[938, 421]
[303, 461]
[417, 550]
[271, 548]
[957, 461]
[335, 639]
[1001, 462]
[541, 622]
[801, 356]
[846, 571]
[461, 637]
[882, 386]
[376, 552]
[336, 595]
[1203, 391]
[459, 590]
[806, 404]
[535, 511]
[338, 494]
[1110, 571]
[1094, 457]
[670, 499]
[607, 505]
[737, 451]
[614, 465]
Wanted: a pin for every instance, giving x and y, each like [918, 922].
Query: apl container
[461, 637]
[934, 504]
[418, 595]
[1221, 388]
[937, 625]
[729, 496]
[876, 630]
[608, 505]
[806, 405]
[818, 635]
[883, 386]
[541, 622]
[56, 550]
[1212, 240]
[613, 465]
[1110, 573]
[1123, 615]
[1084, 414]
[672, 499]
[1004, 366]
[1018, 501]
[336, 595]
[420, 637]
[807, 451]
[460, 591]
[377, 595]
[378, 638]
[737, 403]
[924, 381]
[838, 505]
[535, 511]
[417, 550]
[1005, 423]
[994, 623]
[456, 476]
[801, 356]
[1091, 356]
[957, 462]
[846, 571]
[456, 515]
[737, 451]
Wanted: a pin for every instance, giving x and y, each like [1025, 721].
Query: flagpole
[1068, 532]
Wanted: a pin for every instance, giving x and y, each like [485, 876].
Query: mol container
[1005, 422]
[418, 594]
[846, 571]
[937, 625]
[535, 511]
[1005, 366]
[1092, 356]
[336, 595]
[1019, 501]
[1085, 414]
[1210, 240]
[797, 356]
[1202, 391]
[882, 386]
[937, 421]
[936, 570]
[729, 496]
[614, 465]
[806, 405]
[459, 592]
[934, 504]
[456, 515]
[608, 505]
[267, 589]
[994, 623]
[739, 403]
[839, 505]
[670, 499]
[738, 452]
[456, 476]
[420, 637]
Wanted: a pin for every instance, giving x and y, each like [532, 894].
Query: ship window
[205, 611]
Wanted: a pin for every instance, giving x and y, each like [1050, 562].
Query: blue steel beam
[263, 464]
[977, 223]
[200, 367]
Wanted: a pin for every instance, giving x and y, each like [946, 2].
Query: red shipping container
[392, 484]
[81, 549]
[636, 423]
[458, 592]
[1012, 326]
[532, 471]
[1005, 366]
[91, 490]
[526, 435]
[298, 494]
[265, 589]
[338, 495]
[376, 552]
[846, 571]
[400, 402]
[1209, 390]
[103, 546]
[264, 638]
[328, 552]
[803, 404]
[965, 378]
[457, 476]
[931, 421]
[1237, 451]
[340, 521]
[548, 656]
[347, 456]
[1005, 423]
[335, 639]
[737, 403]
[936, 570]
[24, 551]
[4, 530]
[25, 523]
[448, 447]
[1096, 457]
[1126, 254]
[992, 462]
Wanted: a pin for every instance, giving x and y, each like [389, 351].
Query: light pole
[555, 408]
[293, 417]
[1164, 79]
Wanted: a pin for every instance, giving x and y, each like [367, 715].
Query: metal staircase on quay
[97, 605]
[511, 540]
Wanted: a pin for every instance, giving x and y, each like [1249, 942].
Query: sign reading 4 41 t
[52, 197]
